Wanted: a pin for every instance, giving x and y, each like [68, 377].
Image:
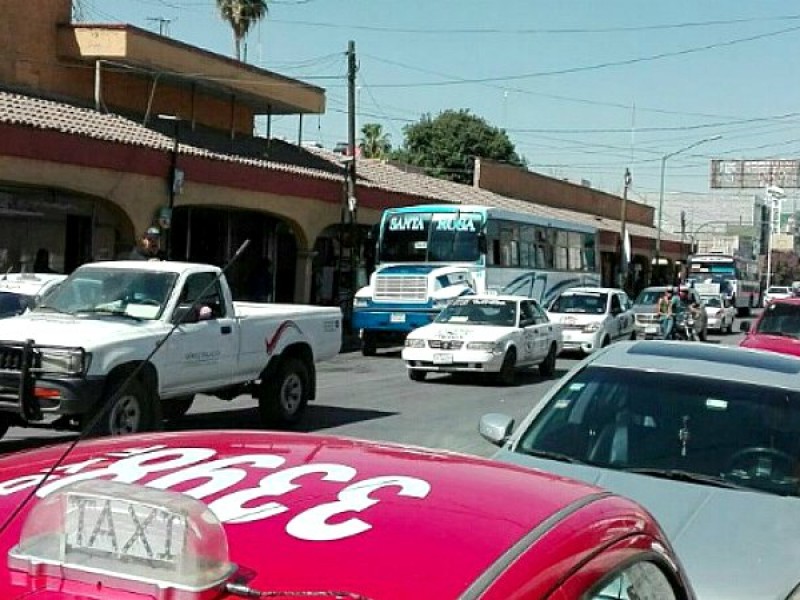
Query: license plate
[651, 329]
[442, 359]
[397, 318]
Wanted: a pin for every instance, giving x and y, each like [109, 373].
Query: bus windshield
[430, 237]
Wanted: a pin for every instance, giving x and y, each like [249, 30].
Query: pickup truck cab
[168, 331]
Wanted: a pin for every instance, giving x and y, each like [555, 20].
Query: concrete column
[303, 274]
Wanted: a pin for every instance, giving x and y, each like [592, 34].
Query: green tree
[241, 15]
[374, 141]
[445, 146]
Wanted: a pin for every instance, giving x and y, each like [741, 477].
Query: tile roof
[40, 113]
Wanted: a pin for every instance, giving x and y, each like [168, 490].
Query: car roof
[28, 284]
[425, 508]
[706, 361]
[495, 297]
[591, 290]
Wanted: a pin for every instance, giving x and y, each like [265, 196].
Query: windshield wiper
[559, 456]
[779, 334]
[107, 311]
[48, 308]
[688, 476]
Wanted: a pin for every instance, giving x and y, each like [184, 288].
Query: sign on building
[741, 174]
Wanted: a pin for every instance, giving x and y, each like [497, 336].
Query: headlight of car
[415, 343]
[64, 362]
[360, 302]
[483, 346]
[591, 327]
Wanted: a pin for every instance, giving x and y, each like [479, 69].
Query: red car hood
[307, 512]
[772, 343]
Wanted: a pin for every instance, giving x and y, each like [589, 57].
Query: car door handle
[225, 329]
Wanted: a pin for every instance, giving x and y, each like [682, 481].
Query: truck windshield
[107, 291]
[430, 237]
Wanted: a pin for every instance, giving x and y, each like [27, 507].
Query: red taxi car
[777, 329]
[201, 515]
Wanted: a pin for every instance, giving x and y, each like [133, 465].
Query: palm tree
[374, 143]
[242, 15]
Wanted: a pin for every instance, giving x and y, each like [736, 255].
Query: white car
[593, 317]
[776, 291]
[21, 291]
[485, 334]
[720, 312]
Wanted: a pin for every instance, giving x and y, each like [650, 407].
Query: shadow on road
[12, 445]
[317, 417]
[523, 377]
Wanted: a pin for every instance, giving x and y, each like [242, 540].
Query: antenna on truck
[104, 408]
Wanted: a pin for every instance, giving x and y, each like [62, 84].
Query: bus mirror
[483, 245]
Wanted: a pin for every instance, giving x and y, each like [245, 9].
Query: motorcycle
[683, 328]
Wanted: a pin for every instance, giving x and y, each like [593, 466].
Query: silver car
[706, 437]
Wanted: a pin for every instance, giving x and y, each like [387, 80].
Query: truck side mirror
[185, 313]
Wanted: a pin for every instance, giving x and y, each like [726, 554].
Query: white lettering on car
[174, 468]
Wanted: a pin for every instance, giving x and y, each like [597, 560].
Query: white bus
[429, 254]
[737, 277]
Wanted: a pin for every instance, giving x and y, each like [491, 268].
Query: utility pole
[163, 24]
[348, 238]
[623, 258]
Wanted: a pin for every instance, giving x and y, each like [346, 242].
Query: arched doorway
[265, 271]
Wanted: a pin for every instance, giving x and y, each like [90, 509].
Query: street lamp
[661, 192]
[175, 182]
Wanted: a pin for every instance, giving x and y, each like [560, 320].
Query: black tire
[508, 370]
[606, 341]
[369, 345]
[175, 408]
[633, 336]
[284, 395]
[417, 375]
[548, 366]
[134, 409]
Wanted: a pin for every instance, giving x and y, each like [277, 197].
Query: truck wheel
[175, 408]
[135, 410]
[415, 375]
[285, 394]
[508, 370]
[548, 366]
[368, 344]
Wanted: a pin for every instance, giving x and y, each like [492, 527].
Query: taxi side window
[527, 316]
[616, 307]
[642, 580]
[196, 285]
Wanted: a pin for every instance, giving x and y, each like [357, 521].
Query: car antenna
[48, 473]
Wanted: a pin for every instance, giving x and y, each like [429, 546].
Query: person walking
[666, 313]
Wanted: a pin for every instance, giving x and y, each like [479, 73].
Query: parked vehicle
[720, 313]
[430, 254]
[66, 358]
[645, 309]
[278, 515]
[485, 334]
[592, 317]
[776, 292]
[706, 437]
[777, 329]
[22, 291]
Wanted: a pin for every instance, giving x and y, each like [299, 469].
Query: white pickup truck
[62, 361]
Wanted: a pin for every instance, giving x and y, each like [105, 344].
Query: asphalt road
[373, 398]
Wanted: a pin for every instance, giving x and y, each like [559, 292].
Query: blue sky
[584, 88]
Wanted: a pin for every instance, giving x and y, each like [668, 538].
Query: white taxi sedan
[485, 334]
[21, 291]
[593, 317]
[721, 313]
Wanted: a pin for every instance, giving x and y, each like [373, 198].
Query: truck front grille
[11, 359]
[445, 344]
[647, 318]
[411, 288]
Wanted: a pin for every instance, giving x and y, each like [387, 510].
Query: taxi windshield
[780, 318]
[580, 303]
[626, 419]
[12, 304]
[498, 313]
[712, 301]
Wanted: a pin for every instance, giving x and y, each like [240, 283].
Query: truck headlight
[591, 327]
[360, 302]
[64, 362]
[482, 346]
[440, 304]
[415, 343]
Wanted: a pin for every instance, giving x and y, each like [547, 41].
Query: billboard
[742, 174]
